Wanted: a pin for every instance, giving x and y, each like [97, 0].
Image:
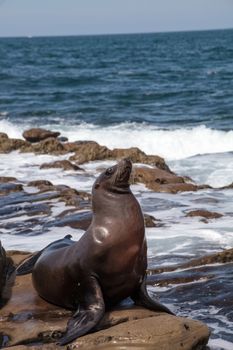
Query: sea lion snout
[123, 172]
[125, 162]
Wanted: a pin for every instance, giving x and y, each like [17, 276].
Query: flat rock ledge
[28, 322]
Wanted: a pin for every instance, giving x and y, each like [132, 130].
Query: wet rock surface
[38, 134]
[87, 151]
[160, 180]
[225, 256]
[64, 164]
[151, 221]
[8, 145]
[32, 212]
[204, 213]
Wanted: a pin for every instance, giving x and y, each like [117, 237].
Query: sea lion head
[115, 178]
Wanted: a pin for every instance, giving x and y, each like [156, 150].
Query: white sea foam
[220, 344]
[170, 144]
[27, 243]
[12, 130]
[213, 169]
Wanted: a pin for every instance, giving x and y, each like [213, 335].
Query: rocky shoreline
[28, 320]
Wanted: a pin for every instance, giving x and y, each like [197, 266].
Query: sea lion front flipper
[142, 298]
[89, 313]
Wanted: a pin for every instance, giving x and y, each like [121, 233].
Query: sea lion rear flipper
[142, 298]
[89, 313]
[27, 265]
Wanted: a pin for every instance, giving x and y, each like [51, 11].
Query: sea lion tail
[27, 265]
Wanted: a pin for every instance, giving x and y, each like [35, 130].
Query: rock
[7, 188]
[204, 213]
[138, 156]
[4, 179]
[74, 219]
[64, 164]
[62, 139]
[47, 146]
[3, 136]
[41, 184]
[70, 196]
[90, 151]
[8, 145]
[160, 180]
[29, 320]
[151, 221]
[160, 332]
[224, 257]
[38, 134]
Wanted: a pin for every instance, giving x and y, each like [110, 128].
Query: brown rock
[75, 198]
[138, 156]
[3, 136]
[151, 221]
[38, 134]
[47, 146]
[224, 257]
[4, 179]
[161, 181]
[89, 151]
[64, 164]
[160, 332]
[8, 145]
[17, 256]
[204, 213]
[41, 184]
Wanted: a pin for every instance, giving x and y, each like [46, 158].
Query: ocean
[170, 94]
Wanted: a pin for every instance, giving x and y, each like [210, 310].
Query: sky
[78, 17]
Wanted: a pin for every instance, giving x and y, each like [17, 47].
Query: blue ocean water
[168, 80]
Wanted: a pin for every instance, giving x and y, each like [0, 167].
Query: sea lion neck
[104, 200]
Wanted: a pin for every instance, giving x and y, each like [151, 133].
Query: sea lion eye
[109, 171]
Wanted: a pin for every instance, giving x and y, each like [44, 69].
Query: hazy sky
[64, 17]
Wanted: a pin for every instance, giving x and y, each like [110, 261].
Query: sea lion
[6, 276]
[107, 264]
